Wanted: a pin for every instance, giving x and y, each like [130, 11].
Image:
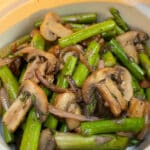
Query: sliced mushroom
[44, 62]
[46, 141]
[29, 93]
[136, 108]
[51, 28]
[115, 86]
[4, 98]
[139, 108]
[67, 102]
[130, 42]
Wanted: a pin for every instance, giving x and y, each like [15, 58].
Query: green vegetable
[8, 49]
[138, 91]
[70, 141]
[11, 86]
[109, 59]
[119, 30]
[80, 18]
[109, 34]
[21, 75]
[64, 128]
[130, 64]
[76, 27]
[38, 42]
[118, 19]
[112, 126]
[31, 132]
[68, 69]
[9, 82]
[145, 62]
[147, 90]
[38, 23]
[133, 141]
[86, 33]
[92, 55]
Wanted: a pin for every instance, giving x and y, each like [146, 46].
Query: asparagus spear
[67, 141]
[31, 132]
[119, 30]
[68, 69]
[145, 62]
[112, 126]
[64, 128]
[11, 86]
[109, 59]
[130, 64]
[86, 33]
[32, 125]
[80, 18]
[9, 82]
[76, 27]
[92, 55]
[38, 23]
[138, 91]
[38, 41]
[147, 93]
[8, 49]
[118, 19]
[109, 34]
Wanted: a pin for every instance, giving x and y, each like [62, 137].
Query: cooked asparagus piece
[119, 20]
[67, 141]
[80, 18]
[145, 62]
[112, 126]
[31, 132]
[109, 59]
[86, 33]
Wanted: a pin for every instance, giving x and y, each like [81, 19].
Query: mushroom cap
[51, 28]
[96, 77]
[41, 102]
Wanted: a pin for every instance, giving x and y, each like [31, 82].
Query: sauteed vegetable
[74, 83]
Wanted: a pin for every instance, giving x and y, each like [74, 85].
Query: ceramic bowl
[20, 20]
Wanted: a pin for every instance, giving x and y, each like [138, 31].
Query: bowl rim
[32, 6]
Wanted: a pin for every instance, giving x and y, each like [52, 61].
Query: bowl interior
[133, 16]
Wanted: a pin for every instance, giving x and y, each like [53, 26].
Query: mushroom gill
[113, 84]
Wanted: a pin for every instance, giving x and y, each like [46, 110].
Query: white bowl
[21, 20]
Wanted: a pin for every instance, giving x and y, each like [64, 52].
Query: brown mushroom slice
[29, 91]
[125, 82]
[108, 97]
[44, 62]
[67, 102]
[139, 108]
[51, 28]
[4, 98]
[111, 85]
[136, 108]
[46, 141]
[128, 40]
[121, 76]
